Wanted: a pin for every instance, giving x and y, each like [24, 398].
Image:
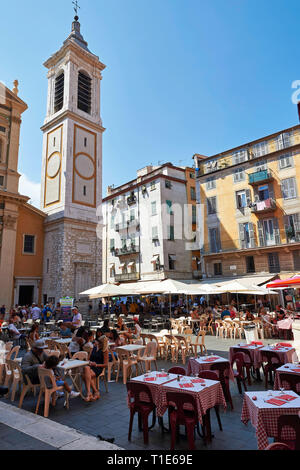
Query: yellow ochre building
[250, 207]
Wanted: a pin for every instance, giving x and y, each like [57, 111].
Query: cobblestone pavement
[110, 416]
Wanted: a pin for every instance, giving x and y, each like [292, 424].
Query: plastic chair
[272, 362]
[127, 361]
[143, 408]
[222, 369]
[13, 354]
[113, 365]
[219, 329]
[290, 421]
[14, 377]
[292, 381]
[248, 364]
[211, 375]
[48, 390]
[149, 356]
[197, 345]
[178, 415]
[182, 347]
[177, 371]
[26, 387]
[171, 347]
[102, 377]
[238, 359]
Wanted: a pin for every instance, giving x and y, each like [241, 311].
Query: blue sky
[182, 77]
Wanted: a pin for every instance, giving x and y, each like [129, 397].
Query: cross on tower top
[76, 7]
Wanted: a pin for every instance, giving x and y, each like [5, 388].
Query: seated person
[122, 328]
[225, 312]
[105, 328]
[13, 330]
[65, 331]
[98, 362]
[248, 316]
[34, 333]
[32, 360]
[89, 342]
[51, 363]
[137, 329]
[79, 339]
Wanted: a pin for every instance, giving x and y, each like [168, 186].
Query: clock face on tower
[85, 166]
[53, 166]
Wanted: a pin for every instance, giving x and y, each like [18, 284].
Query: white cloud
[30, 189]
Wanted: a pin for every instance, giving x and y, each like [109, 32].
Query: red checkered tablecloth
[153, 386]
[284, 355]
[283, 370]
[264, 420]
[207, 398]
[195, 366]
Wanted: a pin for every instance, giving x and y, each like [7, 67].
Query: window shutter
[252, 235]
[271, 191]
[261, 233]
[248, 197]
[237, 198]
[293, 187]
[276, 231]
[297, 222]
[284, 189]
[242, 235]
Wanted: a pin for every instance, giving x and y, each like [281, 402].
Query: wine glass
[281, 390]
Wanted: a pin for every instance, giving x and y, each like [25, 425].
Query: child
[51, 363]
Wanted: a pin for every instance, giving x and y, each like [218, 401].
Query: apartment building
[250, 207]
[148, 226]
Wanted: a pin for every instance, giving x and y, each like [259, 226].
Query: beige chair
[26, 387]
[238, 329]
[199, 343]
[55, 353]
[15, 380]
[219, 329]
[149, 356]
[81, 356]
[183, 348]
[127, 361]
[113, 365]
[102, 377]
[49, 388]
[171, 347]
[13, 353]
[228, 328]
[64, 350]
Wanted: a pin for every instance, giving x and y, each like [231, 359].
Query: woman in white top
[137, 329]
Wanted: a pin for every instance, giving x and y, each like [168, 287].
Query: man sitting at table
[65, 331]
[225, 313]
[33, 360]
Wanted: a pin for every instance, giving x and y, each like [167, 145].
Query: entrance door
[26, 295]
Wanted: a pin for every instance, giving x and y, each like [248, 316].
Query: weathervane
[76, 7]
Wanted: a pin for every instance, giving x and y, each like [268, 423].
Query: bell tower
[71, 189]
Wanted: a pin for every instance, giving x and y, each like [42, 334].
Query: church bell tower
[71, 189]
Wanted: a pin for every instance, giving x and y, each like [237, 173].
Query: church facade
[69, 249]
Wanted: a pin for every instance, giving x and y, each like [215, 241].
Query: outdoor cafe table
[293, 369]
[252, 348]
[196, 365]
[62, 340]
[264, 416]
[69, 366]
[286, 354]
[132, 347]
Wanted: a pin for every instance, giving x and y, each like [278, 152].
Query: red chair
[293, 382]
[248, 364]
[291, 421]
[211, 375]
[238, 360]
[278, 446]
[272, 362]
[222, 369]
[139, 405]
[178, 415]
[177, 371]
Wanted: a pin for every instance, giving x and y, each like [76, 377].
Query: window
[246, 232]
[194, 214]
[239, 175]
[1, 180]
[274, 266]
[132, 215]
[211, 183]
[250, 264]
[168, 184]
[214, 240]
[85, 141]
[243, 198]
[193, 193]
[260, 149]
[192, 176]
[284, 140]
[211, 205]
[112, 245]
[296, 257]
[29, 242]
[155, 234]
[292, 227]
[289, 189]
[2, 129]
[153, 208]
[1, 150]
[240, 157]
[171, 236]
[84, 92]
[84, 190]
[112, 221]
[172, 260]
[261, 166]
[169, 208]
[269, 232]
[218, 269]
[48, 263]
[285, 161]
[59, 92]
[153, 185]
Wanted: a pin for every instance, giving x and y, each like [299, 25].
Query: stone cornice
[75, 117]
[78, 51]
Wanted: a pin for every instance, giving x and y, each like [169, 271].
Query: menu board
[66, 309]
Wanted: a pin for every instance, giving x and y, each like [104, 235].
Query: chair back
[9, 345]
[209, 375]
[177, 371]
[46, 378]
[13, 354]
[222, 368]
[239, 361]
[290, 421]
[151, 349]
[177, 401]
[278, 446]
[81, 356]
[245, 352]
[272, 358]
[138, 391]
[292, 380]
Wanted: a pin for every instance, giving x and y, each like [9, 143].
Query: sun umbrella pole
[170, 313]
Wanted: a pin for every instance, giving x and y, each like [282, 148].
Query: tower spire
[75, 35]
[76, 7]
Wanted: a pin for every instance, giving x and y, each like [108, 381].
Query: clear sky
[182, 77]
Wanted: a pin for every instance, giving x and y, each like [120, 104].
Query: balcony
[228, 246]
[127, 250]
[131, 200]
[262, 176]
[261, 207]
[127, 277]
[127, 225]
